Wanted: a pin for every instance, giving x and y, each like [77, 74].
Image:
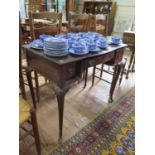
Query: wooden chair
[27, 116]
[21, 78]
[50, 23]
[101, 7]
[52, 26]
[78, 22]
[129, 38]
[115, 67]
[91, 23]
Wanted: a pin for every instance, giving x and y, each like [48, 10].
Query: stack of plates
[56, 47]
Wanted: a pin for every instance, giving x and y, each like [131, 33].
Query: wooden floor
[81, 107]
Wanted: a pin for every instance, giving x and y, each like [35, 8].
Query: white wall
[125, 14]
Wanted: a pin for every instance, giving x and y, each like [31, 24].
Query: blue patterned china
[44, 36]
[99, 37]
[84, 52]
[37, 44]
[102, 43]
[92, 46]
[71, 42]
[61, 36]
[115, 40]
[56, 47]
[80, 47]
[82, 34]
[56, 55]
[70, 35]
[95, 50]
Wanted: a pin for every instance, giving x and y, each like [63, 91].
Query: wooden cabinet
[37, 5]
[102, 7]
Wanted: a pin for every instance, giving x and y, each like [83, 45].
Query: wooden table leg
[29, 79]
[60, 93]
[131, 60]
[36, 131]
[114, 81]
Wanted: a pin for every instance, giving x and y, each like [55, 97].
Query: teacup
[79, 47]
[102, 42]
[92, 46]
[71, 42]
[116, 40]
[44, 36]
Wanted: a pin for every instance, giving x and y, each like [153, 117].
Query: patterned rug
[111, 133]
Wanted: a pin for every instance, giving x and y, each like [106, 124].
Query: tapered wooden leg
[122, 70]
[131, 60]
[101, 72]
[29, 79]
[36, 131]
[133, 65]
[85, 77]
[117, 71]
[60, 93]
[37, 86]
[93, 77]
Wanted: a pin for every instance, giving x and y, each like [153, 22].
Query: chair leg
[37, 85]
[101, 73]
[85, 77]
[36, 131]
[46, 80]
[93, 77]
[131, 60]
[22, 87]
[122, 70]
[117, 71]
[133, 65]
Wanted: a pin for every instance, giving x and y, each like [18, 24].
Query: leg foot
[110, 100]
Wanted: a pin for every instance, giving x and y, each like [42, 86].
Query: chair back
[102, 21]
[44, 23]
[78, 22]
[91, 23]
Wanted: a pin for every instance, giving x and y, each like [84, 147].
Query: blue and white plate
[36, 46]
[44, 36]
[102, 46]
[55, 51]
[56, 55]
[72, 51]
[115, 43]
[95, 50]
